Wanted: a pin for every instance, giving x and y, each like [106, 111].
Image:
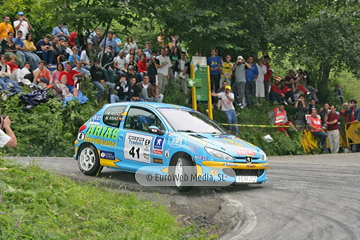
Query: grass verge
[37, 204]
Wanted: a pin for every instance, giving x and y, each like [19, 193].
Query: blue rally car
[129, 136]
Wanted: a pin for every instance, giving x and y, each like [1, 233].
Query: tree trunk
[324, 76]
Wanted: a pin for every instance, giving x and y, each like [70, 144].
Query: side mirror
[156, 130]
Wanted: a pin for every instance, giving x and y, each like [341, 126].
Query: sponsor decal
[99, 141]
[107, 155]
[170, 133]
[158, 143]
[137, 147]
[103, 131]
[96, 118]
[245, 152]
[157, 152]
[265, 165]
[157, 160]
[176, 142]
[167, 153]
[80, 136]
[230, 164]
[250, 165]
[213, 172]
[200, 157]
[220, 136]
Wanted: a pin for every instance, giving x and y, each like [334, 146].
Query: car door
[142, 148]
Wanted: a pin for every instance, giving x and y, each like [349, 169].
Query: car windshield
[188, 120]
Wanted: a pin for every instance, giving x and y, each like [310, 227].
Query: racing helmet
[144, 122]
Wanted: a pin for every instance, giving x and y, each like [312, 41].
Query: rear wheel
[181, 169]
[88, 160]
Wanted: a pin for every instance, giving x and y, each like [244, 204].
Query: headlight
[218, 154]
[263, 157]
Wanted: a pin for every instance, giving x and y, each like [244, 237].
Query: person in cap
[227, 99]
[240, 81]
[22, 24]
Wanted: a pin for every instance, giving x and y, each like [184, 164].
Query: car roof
[147, 104]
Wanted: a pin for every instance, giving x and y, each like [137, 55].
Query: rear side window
[112, 115]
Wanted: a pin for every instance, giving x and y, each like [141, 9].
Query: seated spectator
[54, 42]
[30, 51]
[107, 42]
[312, 105]
[338, 93]
[130, 44]
[19, 45]
[131, 73]
[60, 31]
[5, 74]
[45, 50]
[278, 117]
[138, 55]
[67, 48]
[79, 68]
[126, 90]
[67, 78]
[55, 75]
[131, 53]
[147, 50]
[42, 75]
[291, 80]
[315, 126]
[288, 93]
[107, 63]
[27, 75]
[120, 63]
[72, 39]
[147, 91]
[84, 58]
[131, 63]
[142, 68]
[8, 48]
[16, 74]
[98, 79]
[74, 57]
[276, 93]
[302, 109]
[60, 53]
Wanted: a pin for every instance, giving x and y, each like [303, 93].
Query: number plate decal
[137, 147]
[246, 179]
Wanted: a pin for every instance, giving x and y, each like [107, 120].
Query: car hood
[230, 144]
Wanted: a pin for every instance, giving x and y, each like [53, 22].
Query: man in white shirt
[163, 70]
[183, 70]
[8, 139]
[120, 63]
[22, 24]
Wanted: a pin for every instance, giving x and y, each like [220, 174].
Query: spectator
[131, 62]
[22, 24]
[118, 44]
[312, 91]
[267, 76]
[19, 45]
[183, 71]
[129, 45]
[260, 91]
[251, 76]
[8, 139]
[98, 79]
[163, 70]
[142, 68]
[314, 124]
[96, 39]
[42, 75]
[79, 68]
[67, 49]
[27, 75]
[5, 74]
[302, 108]
[152, 65]
[312, 105]
[16, 74]
[54, 43]
[240, 80]
[30, 51]
[68, 78]
[61, 32]
[131, 53]
[72, 39]
[5, 28]
[147, 91]
[331, 119]
[291, 80]
[138, 55]
[121, 88]
[120, 63]
[109, 41]
[174, 57]
[324, 111]
[60, 53]
[107, 63]
[214, 62]
[352, 114]
[221, 89]
[227, 99]
[74, 58]
[147, 50]
[226, 71]
[8, 48]
[278, 117]
[276, 93]
[55, 75]
[338, 93]
[132, 74]
[288, 93]
[45, 50]
[84, 58]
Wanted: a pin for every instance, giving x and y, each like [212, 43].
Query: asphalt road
[306, 197]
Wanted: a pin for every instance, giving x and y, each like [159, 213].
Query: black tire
[177, 162]
[88, 160]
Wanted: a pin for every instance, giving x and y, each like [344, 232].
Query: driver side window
[141, 119]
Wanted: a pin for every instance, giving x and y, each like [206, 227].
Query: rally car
[129, 136]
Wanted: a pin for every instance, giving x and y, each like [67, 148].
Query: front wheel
[181, 168]
[88, 160]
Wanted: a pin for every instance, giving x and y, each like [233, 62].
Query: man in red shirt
[267, 76]
[331, 120]
[142, 68]
[67, 77]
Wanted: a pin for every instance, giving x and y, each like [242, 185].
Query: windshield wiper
[185, 131]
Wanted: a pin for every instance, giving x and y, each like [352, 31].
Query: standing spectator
[227, 99]
[61, 31]
[8, 48]
[142, 68]
[163, 70]
[129, 45]
[240, 80]
[214, 62]
[183, 68]
[251, 76]
[226, 71]
[55, 75]
[267, 76]
[5, 74]
[19, 45]
[118, 44]
[107, 64]
[5, 28]
[338, 93]
[314, 124]
[42, 75]
[174, 57]
[260, 91]
[22, 24]
[324, 111]
[312, 105]
[96, 39]
[147, 50]
[332, 126]
[147, 91]
[120, 63]
[68, 78]
[302, 108]
[109, 41]
[352, 114]
[98, 79]
[8, 139]
[221, 89]
[30, 51]
[278, 117]
[46, 50]
[152, 64]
